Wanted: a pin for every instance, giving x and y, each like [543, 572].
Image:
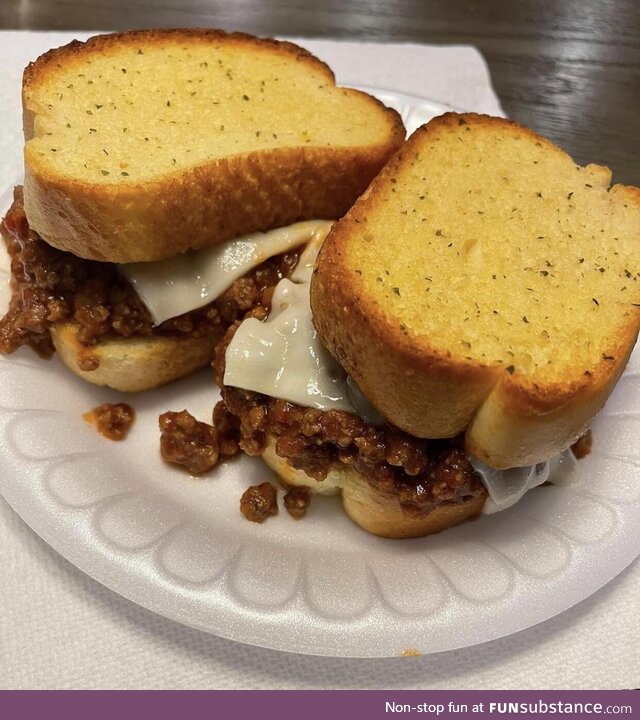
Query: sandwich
[171, 177]
[456, 334]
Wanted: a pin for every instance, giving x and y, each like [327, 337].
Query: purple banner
[317, 704]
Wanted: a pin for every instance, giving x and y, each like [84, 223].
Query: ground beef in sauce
[51, 286]
[419, 474]
[297, 501]
[582, 446]
[228, 427]
[196, 445]
[111, 421]
[259, 502]
[188, 442]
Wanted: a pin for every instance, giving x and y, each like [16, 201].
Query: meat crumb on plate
[188, 442]
[112, 421]
[259, 502]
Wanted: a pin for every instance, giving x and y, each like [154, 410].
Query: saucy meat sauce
[49, 286]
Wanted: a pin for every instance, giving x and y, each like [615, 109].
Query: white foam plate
[179, 546]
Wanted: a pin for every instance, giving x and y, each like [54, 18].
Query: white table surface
[60, 629]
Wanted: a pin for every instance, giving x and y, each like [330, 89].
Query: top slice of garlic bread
[143, 144]
[485, 283]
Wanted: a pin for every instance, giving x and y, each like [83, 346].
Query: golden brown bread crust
[200, 206]
[373, 512]
[132, 364]
[111, 224]
[509, 420]
[522, 425]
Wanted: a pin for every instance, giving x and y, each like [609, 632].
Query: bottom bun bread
[131, 364]
[374, 511]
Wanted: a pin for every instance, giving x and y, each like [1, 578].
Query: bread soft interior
[501, 250]
[122, 111]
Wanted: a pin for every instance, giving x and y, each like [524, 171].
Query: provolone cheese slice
[506, 487]
[180, 284]
[282, 356]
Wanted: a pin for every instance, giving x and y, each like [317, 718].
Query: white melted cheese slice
[506, 487]
[180, 284]
[283, 357]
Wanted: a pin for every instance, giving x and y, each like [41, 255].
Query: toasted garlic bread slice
[484, 284]
[132, 364]
[145, 144]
